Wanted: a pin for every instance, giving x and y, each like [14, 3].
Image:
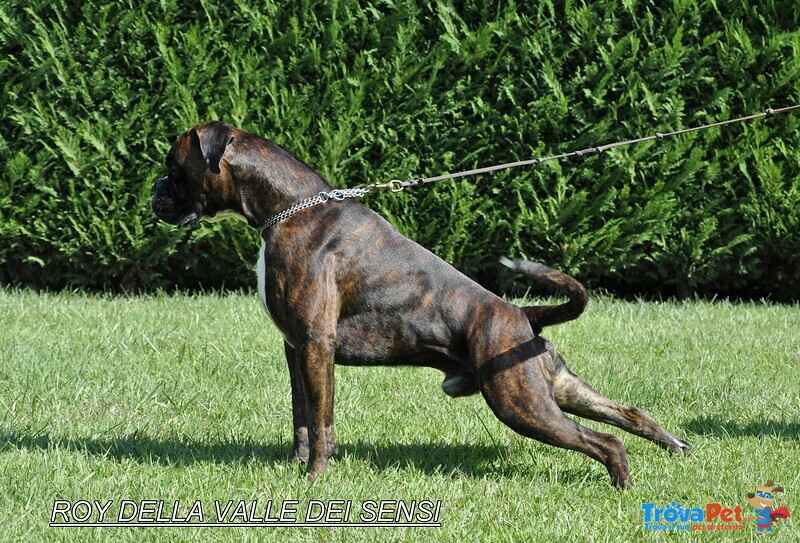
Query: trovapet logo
[676, 517]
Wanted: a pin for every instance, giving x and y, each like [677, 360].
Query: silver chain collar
[337, 195]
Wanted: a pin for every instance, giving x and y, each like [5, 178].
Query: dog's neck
[264, 192]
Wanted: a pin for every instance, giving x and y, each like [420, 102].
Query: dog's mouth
[165, 209]
[189, 220]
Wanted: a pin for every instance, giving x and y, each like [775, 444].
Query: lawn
[186, 399]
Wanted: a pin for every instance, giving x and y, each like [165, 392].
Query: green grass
[187, 398]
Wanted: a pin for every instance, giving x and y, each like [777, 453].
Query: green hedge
[94, 92]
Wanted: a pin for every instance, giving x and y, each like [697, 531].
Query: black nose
[158, 182]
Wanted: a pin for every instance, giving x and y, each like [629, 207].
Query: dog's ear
[214, 138]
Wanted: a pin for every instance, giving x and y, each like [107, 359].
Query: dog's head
[200, 183]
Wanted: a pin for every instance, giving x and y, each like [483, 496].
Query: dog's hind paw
[681, 447]
[676, 446]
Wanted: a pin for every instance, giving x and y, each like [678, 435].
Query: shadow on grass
[145, 449]
[713, 426]
[457, 459]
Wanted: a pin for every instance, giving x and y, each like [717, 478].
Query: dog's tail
[547, 315]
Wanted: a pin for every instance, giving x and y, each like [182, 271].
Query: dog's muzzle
[167, 200]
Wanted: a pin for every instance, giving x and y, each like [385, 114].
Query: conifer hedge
[94, 92]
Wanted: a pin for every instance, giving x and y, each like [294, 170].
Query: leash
[396, 185]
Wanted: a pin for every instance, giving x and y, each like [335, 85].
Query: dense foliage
[93, 93]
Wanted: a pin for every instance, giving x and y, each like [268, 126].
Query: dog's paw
[680, 446]
[457, 385]
[299, 455]
[675, 445]
[317, 468]
[333, 450]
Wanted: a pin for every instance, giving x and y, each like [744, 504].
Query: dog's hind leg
[517, 387]
[576, 397]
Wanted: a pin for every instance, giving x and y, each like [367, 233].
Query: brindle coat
[344, 287]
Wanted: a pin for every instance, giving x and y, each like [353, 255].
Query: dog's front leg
[315, 362]
[299, 416]
[300, 408]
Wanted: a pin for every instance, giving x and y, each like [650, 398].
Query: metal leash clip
[395, 185]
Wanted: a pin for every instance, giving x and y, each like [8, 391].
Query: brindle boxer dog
[344, 287]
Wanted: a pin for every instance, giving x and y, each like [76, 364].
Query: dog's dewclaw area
[167, 401]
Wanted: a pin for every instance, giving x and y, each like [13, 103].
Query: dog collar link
[337, 195]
